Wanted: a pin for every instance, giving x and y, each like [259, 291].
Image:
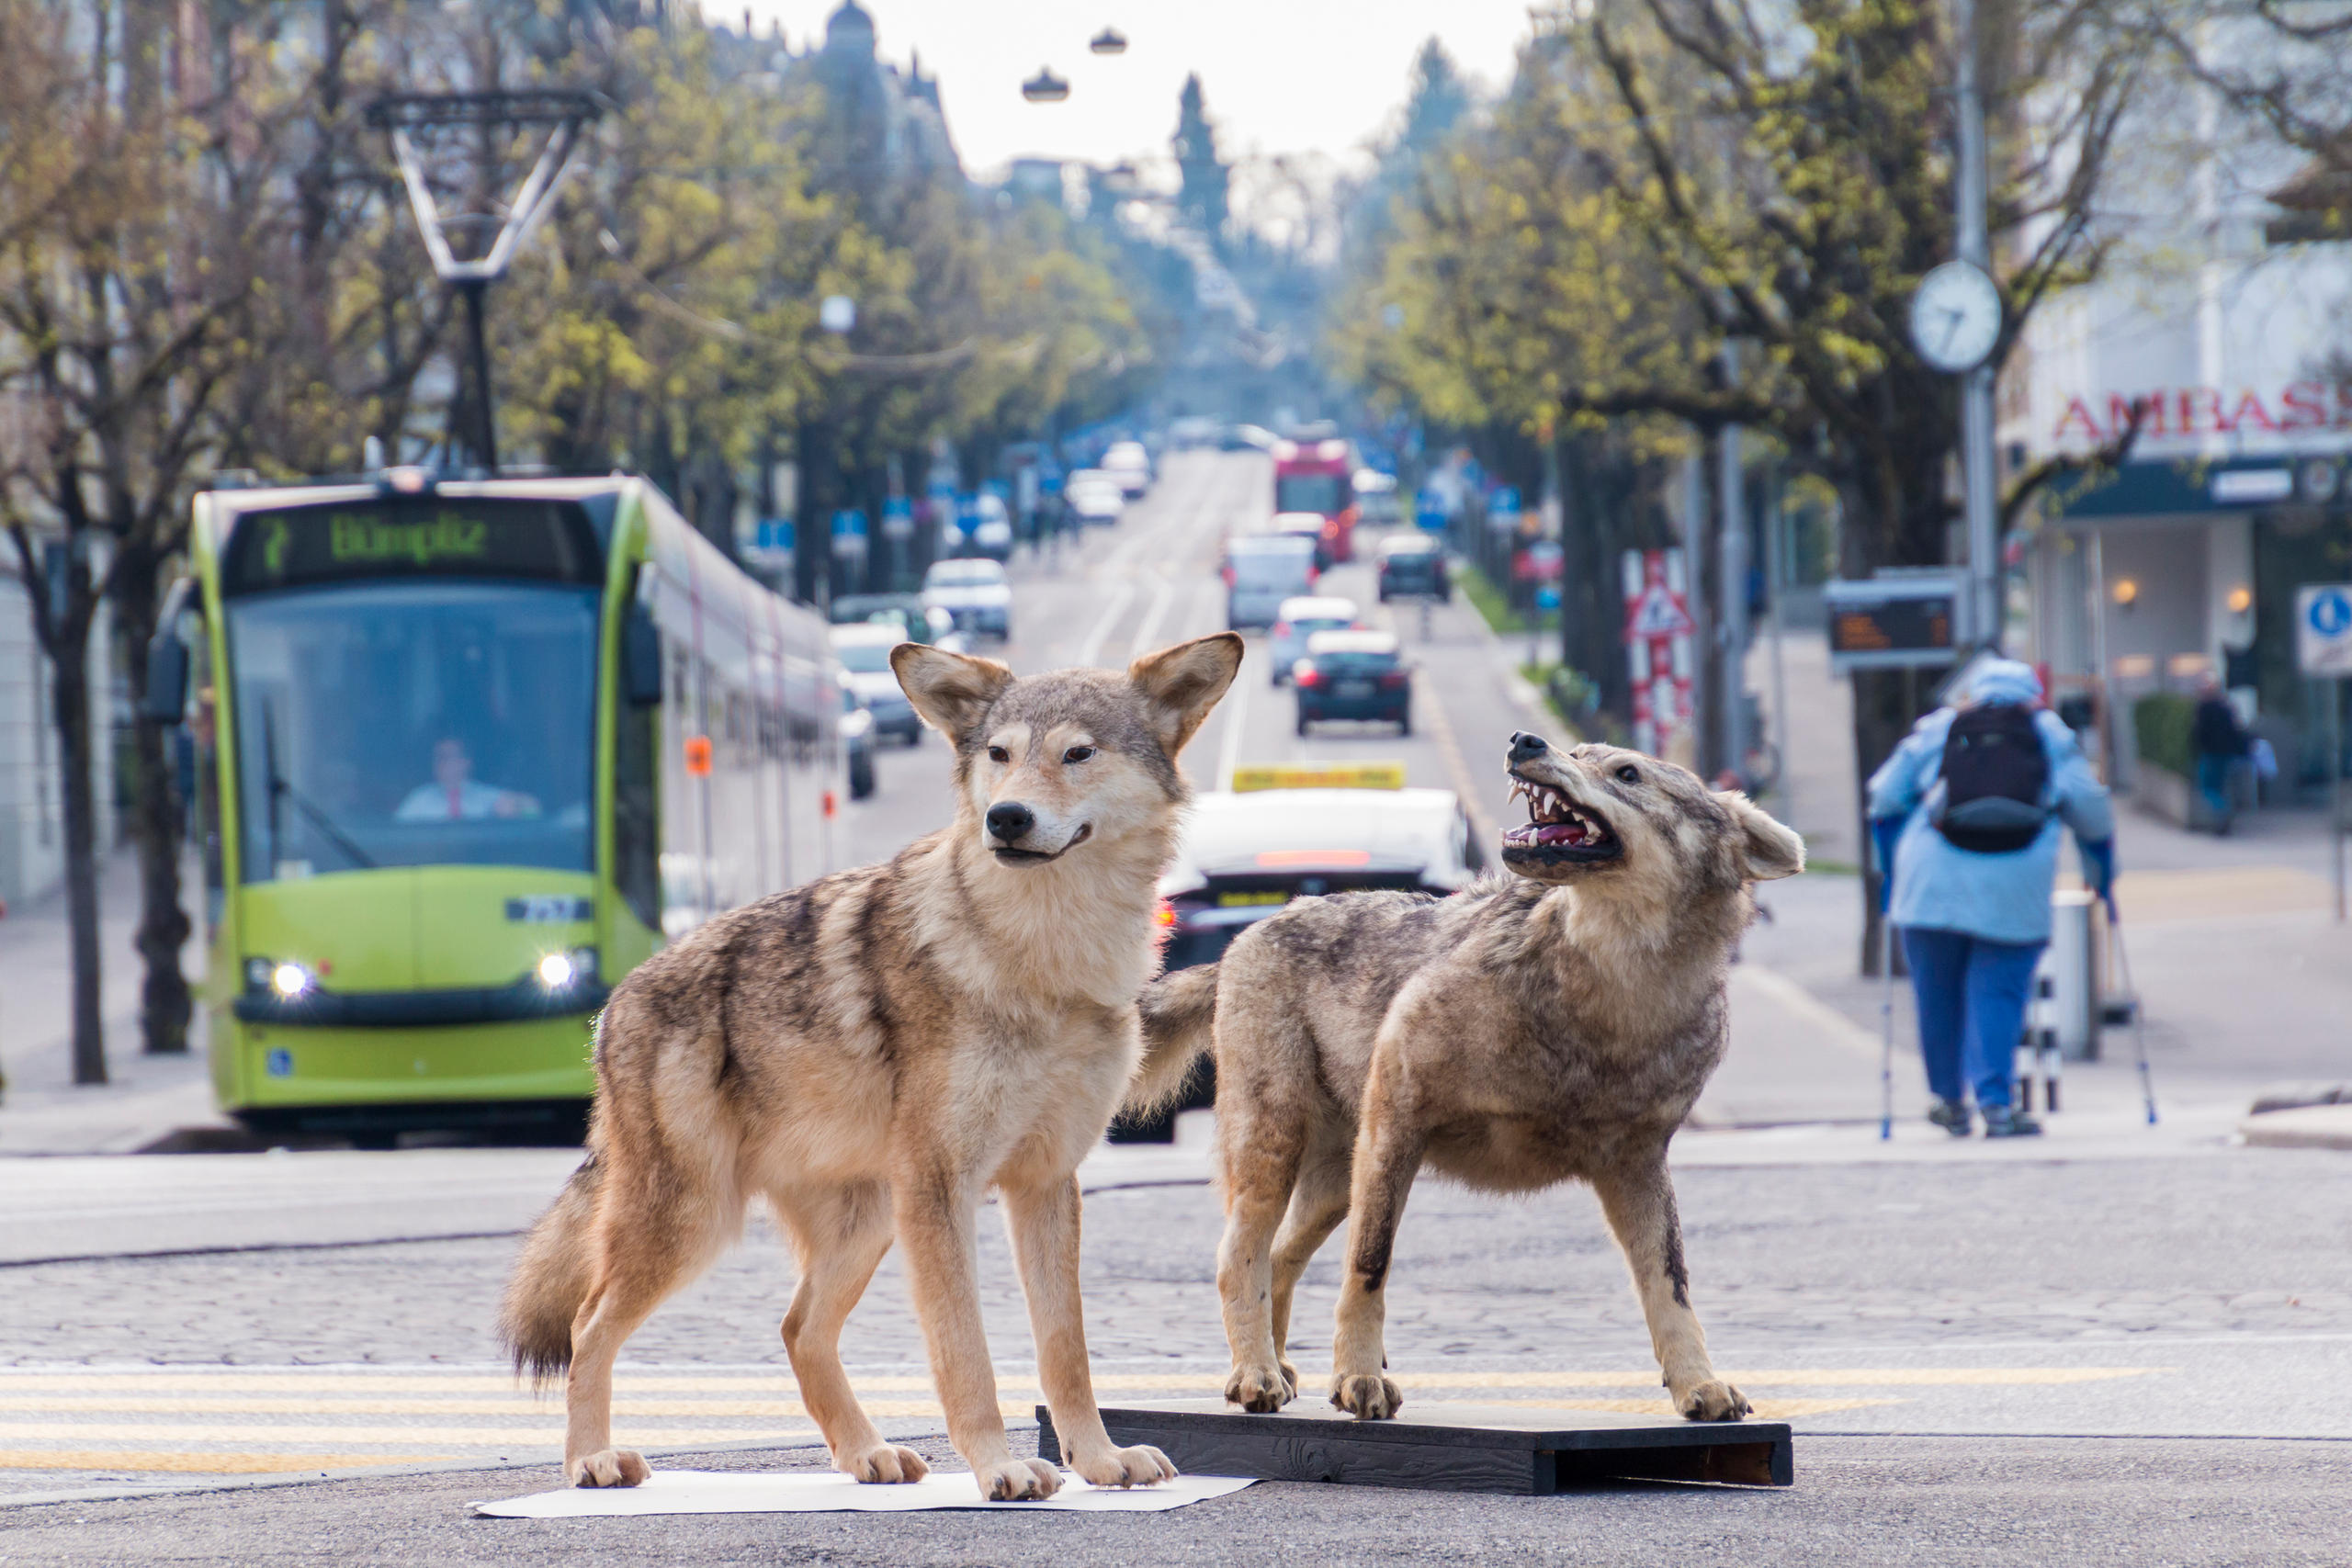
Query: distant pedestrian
[1967, 812]
[2222, 745]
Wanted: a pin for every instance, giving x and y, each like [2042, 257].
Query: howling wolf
[1555, 1025]
[873, 1052]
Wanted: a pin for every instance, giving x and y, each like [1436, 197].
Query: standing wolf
[872, 1051]
[1518, 1034]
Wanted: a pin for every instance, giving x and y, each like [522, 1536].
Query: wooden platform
[1446, 1447]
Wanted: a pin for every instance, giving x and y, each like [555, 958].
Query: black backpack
[1994, 771]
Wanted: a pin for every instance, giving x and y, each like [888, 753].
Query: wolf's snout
[1524, 745]
[1010, 820]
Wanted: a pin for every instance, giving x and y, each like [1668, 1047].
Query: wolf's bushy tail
[551, 1277]
[1179, 1011]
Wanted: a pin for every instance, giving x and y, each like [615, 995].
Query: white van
[1261, 572]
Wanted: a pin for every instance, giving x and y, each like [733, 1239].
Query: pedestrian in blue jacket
[1967, 815]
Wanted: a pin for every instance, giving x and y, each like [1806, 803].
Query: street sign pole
[1977, 386]
[2324, 651]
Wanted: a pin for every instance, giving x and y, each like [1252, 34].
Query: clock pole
[1977, 385]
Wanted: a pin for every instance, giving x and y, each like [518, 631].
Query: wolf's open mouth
[1553, 823]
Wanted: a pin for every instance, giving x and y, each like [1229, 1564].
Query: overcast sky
[1281, 75]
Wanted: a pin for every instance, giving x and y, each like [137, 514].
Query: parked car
[974, 594]
[1130, 465]
[1299, 619]
[1322, 532]
[856, 729]
[1261, 572]
[1412, 566]
[1354, 675]
[864, 653]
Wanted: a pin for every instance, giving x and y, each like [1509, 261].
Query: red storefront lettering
[2250, 411]
[2079, 412]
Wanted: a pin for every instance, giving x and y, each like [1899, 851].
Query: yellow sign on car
[1254, 776]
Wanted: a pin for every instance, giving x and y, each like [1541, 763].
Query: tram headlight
[560, 971]
[290, 981]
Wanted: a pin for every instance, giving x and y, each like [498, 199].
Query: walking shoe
[2001, 1122]
[1952, 1115]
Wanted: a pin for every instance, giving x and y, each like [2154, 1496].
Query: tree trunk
[157, 819]
[70, 659]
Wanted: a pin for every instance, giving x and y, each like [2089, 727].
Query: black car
[1354, 675]
[1412, 566]
[857, 744]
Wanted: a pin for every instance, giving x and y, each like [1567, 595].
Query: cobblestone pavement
[1781, 1256]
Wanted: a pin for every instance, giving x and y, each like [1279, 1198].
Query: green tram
[466, 753]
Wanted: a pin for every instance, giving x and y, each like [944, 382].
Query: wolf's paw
[608, 1467]
[1261, 1390]
[1373, 1398]
[1017, 1479]
[1713, 1400]
[884, 1465]
[1137, 1466]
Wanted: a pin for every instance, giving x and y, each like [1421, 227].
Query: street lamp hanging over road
[1045, 87]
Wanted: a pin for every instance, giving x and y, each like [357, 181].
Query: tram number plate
[550, 910]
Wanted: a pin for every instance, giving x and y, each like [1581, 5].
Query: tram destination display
[425, 536]
[1891, 622]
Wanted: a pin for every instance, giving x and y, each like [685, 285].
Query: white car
[974, 594]
[1299, 619]
[863, 648]
[1130, 465]
[1094, 497]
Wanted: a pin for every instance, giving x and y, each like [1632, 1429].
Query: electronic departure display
[410, 537]
[1890, 623]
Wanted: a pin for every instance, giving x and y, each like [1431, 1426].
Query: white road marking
[1236, 707]
[1148, 630]
[1090, 651]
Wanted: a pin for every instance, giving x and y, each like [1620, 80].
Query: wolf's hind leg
[1387, 1156]
[1316, 1206]
[1637, 1197]
[1258, 1153]
[652, 1237]
[839, 1235]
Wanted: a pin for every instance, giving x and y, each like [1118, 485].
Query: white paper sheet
[813, 1492]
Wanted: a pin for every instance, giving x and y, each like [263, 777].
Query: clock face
[1955, 317]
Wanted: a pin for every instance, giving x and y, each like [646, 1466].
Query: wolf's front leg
[935, 1209]
[1388, 1156]
[1043, 1222]
[1638, 1199]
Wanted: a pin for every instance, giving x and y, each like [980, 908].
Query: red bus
[1315, 476]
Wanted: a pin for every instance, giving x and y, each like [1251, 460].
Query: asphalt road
[2026, 1358]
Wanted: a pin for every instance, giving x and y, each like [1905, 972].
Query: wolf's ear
[1769, 849]
[952, 691]
[1181, 683]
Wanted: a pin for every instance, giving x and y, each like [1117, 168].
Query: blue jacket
[2001, 898]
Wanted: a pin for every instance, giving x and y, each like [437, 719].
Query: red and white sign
[1657, 647]
[2175, 412]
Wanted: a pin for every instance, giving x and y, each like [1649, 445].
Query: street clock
[1955, 317]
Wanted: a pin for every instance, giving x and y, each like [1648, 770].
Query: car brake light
[1393, 680]
[1230, 575]
[1306, 675]
[1331, 528]
[1314, 575]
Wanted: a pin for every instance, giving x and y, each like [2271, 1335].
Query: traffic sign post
[1657, 647]
[2324, 651]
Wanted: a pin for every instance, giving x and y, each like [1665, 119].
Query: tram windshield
[413, 723]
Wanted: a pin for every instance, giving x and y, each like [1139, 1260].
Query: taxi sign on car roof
[1251, 776]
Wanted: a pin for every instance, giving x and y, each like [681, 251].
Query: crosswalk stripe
[143, 1461]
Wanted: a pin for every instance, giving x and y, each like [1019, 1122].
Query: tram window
[412, 723]
[636, 814]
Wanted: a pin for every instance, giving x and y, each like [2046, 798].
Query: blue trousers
[2214, 776]
[1971, 997]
